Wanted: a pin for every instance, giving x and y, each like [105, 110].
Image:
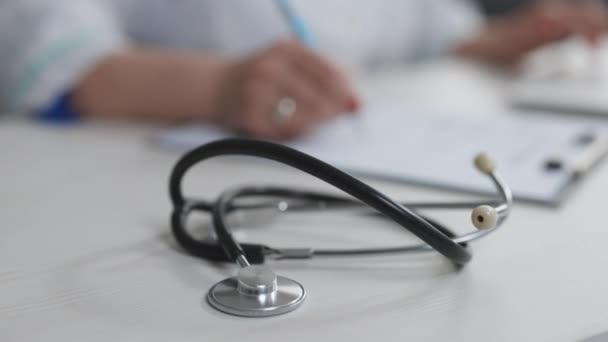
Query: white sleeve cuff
[70, 38]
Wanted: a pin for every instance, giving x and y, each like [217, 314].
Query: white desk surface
[86, 253]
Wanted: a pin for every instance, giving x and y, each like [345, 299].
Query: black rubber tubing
[316, 168]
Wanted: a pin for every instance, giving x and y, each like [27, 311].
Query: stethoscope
[257, 291]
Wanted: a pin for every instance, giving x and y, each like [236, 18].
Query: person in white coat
[232, 62]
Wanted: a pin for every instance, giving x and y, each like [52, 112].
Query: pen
[298, 28]
[296, 24]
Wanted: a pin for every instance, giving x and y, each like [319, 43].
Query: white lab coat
[47, 45]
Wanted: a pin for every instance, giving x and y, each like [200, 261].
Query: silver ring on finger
[284, 111]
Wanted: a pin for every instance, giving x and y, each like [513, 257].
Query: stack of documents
[540, 157]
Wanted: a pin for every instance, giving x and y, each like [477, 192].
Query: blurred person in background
[231, 63]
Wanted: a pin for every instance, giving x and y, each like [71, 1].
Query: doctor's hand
[507, 40]
[282, 92]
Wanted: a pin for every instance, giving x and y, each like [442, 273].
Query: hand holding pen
[285, 90]
[282, 92]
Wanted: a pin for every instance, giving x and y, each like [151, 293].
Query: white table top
[86, 253]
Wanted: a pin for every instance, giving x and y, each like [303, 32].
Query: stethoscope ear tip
[484, 217]
[484, 163]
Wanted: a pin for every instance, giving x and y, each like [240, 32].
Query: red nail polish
[352, 104]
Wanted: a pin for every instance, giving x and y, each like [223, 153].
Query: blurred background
[500, 7]
[102, 59]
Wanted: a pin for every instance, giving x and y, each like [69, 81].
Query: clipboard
[541, 157]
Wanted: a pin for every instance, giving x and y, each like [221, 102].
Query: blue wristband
[59, 111]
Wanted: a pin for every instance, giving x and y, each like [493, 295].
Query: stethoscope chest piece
[256, 292]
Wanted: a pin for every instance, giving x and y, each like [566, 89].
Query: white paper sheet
[387, 142]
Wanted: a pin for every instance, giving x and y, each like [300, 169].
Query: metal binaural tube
[505, 193]
[242, 261]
